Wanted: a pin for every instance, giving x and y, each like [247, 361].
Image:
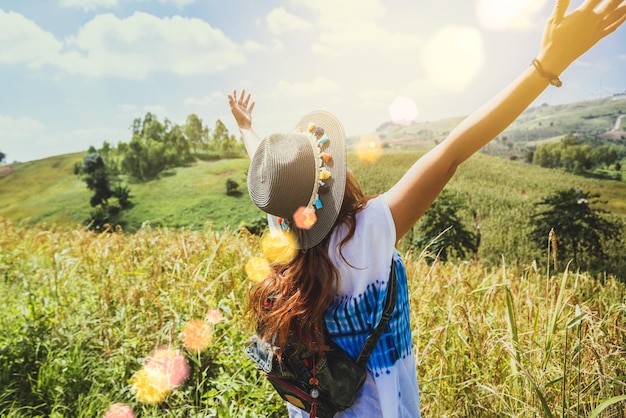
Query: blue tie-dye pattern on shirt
[351, 319]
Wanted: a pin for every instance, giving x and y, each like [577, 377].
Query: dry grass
[82, 311]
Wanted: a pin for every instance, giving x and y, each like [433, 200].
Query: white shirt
[391, 388]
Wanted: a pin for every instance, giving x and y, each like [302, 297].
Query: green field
[504, 335]
[500, 193]
[83, 311]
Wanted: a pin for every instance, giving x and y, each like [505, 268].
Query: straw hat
[299, 178]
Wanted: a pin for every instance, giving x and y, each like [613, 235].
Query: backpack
[324, 383]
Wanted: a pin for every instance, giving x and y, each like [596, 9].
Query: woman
[338, 279]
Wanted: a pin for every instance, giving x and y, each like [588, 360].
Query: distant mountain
[593, 117]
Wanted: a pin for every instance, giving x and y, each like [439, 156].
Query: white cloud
[352, 24]
[127, 111]
[91, 5]
[66, 142]
[25, 139]
[373, 98]
[214, 98]
[22, 41]
[361, 33]
[179, 3]
[17, 129]
[336, 13]
[280, 21]
[142, 43]
[88, 5]
[132, 47]
[253, 46]
[319, 86]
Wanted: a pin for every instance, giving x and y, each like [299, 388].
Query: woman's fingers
[614, 20]
[560, 8]
[608, 6]
[590, 4]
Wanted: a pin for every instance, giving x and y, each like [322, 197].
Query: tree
[154, 147]
[3, 156]
[443, 232]
[220, 136]
[195, 132]
[97, 177]
[581, 230]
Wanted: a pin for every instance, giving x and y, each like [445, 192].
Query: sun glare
[369, 148]
[453, 57]
[403, 110]
[499, 15]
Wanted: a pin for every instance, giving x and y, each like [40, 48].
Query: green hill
[500, 193]
[536, 124]
[47, 191]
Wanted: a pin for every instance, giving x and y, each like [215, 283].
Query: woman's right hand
[241, 108]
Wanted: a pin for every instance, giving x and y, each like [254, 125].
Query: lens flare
[453, 57]
[150, 385]
[403, 110]
[304, 218]
[257, 269]
[197, 335]
[213, 316]
[119, 410]
[279, 247]
[369, 148]
[499, 15]
[171, 363]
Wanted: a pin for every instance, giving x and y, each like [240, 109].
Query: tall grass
[82, 311]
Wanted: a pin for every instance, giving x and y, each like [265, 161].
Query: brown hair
[289, 305]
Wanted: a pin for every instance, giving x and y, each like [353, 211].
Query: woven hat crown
[305, 169]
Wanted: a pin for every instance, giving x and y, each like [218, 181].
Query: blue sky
[75, 73]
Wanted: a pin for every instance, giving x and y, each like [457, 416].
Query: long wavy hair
[288, 306]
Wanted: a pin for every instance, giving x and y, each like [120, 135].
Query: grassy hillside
[48, 191]
[506, 335]
[499, 192]
[44, 190]
[534, 124]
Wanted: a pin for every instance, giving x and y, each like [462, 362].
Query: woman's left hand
[567, 36]
[241, 108]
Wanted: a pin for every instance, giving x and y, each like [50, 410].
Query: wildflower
[171, 363]
[119, 410]
[213, 316]
[197, 335]
[257, 269]
[279, 247]
[150, 385]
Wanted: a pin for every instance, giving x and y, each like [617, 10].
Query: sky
[75, 73]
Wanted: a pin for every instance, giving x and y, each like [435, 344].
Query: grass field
[83, 312]
[500, 194]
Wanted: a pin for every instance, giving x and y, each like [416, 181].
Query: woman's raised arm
[565, 38]
[242, 111]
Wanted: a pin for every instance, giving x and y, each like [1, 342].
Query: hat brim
[331, 201]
